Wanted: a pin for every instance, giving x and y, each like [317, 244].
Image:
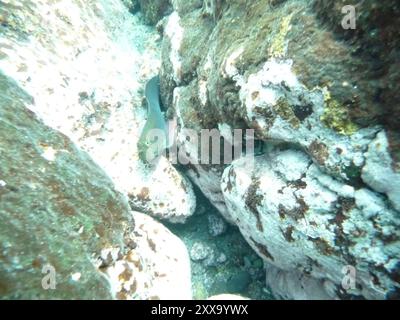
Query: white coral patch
[174, 32]
[378, 171]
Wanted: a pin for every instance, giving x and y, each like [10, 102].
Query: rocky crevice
[71, 110]
[321, 195]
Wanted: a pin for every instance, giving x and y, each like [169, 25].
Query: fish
[153, 139]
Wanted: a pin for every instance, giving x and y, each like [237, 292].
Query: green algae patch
[336, 116]
[278, 45]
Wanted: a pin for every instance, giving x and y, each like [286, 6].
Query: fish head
[152, 144]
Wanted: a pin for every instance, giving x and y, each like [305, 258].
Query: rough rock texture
[163, 192]
[321, 99]
[199, 251]
[70, 76]
[86, 64]
[154, 10]
[59, 208]
[295, 285]
[299, 218]
[378, 171]
[56, 206]
[152, 270]
[216, 225]
[376, 44]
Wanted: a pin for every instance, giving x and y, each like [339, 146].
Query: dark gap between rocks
[222, 261]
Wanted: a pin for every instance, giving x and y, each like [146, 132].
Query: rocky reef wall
[71, 75]
[319, 203]
[324, 196]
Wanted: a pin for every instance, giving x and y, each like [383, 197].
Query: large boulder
[303, 221]
[86, 66]
[152, 270]
[70, 115]
[323, 94]
[61, 215]
[57, 208]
